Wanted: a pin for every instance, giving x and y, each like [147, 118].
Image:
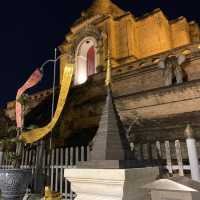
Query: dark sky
[31, 29]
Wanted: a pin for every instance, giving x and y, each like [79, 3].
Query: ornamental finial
[189, 132]
[108, 69]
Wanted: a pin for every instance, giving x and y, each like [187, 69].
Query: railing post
[52, 169]
[82, 153]
[88, 153]
[192, 153]
[48, 164]
[57, 166]
[39, 178]
[29, 157]
[158, 150]
[26, 158]
[23, 154]
[67, 157]
[76, 155]
[1, 156]
[61, 170]
[71, 153]
[168, 157]
[179, 157]
[66, 164]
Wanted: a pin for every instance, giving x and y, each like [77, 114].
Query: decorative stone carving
[87, 31]
[13, 183]
[171, 66]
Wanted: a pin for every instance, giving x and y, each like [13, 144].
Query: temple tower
[129, 38]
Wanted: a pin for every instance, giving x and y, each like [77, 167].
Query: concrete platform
[111, 184]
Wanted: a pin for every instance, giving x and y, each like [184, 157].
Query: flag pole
[53, 93]
[48, 181]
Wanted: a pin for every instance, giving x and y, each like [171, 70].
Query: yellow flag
[37, 134]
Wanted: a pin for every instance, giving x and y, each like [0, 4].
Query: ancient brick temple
[155, 73]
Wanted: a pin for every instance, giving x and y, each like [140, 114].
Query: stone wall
[153, 34]
[180, 32]
[137, 88]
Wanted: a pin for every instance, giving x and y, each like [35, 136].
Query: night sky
[31, 29]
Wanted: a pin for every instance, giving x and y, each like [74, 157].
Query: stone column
[192, 153]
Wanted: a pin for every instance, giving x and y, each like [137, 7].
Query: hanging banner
[33, 80]
[37, 134]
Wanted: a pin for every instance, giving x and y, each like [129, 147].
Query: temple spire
[102, 3]
[104, 7]
[110, 142]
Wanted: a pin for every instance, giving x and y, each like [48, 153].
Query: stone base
[112, 164]
[111, 184]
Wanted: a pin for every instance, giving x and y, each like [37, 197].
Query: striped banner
[38, 133]
[33, 80]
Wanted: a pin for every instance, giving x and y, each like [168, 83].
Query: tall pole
[53, 92]
[192, 153]
[48, 181]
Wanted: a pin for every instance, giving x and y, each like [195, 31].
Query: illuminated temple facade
[155, 73]
[129, 38]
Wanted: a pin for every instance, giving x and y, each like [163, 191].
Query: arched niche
[86, 60]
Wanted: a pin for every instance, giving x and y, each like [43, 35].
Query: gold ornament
[49, 195]
[108, 70]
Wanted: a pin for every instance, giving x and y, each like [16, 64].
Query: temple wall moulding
[78, 47]
[88, 31]
[73, 40]
[70, 47]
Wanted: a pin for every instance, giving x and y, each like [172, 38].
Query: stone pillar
[192, 153]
